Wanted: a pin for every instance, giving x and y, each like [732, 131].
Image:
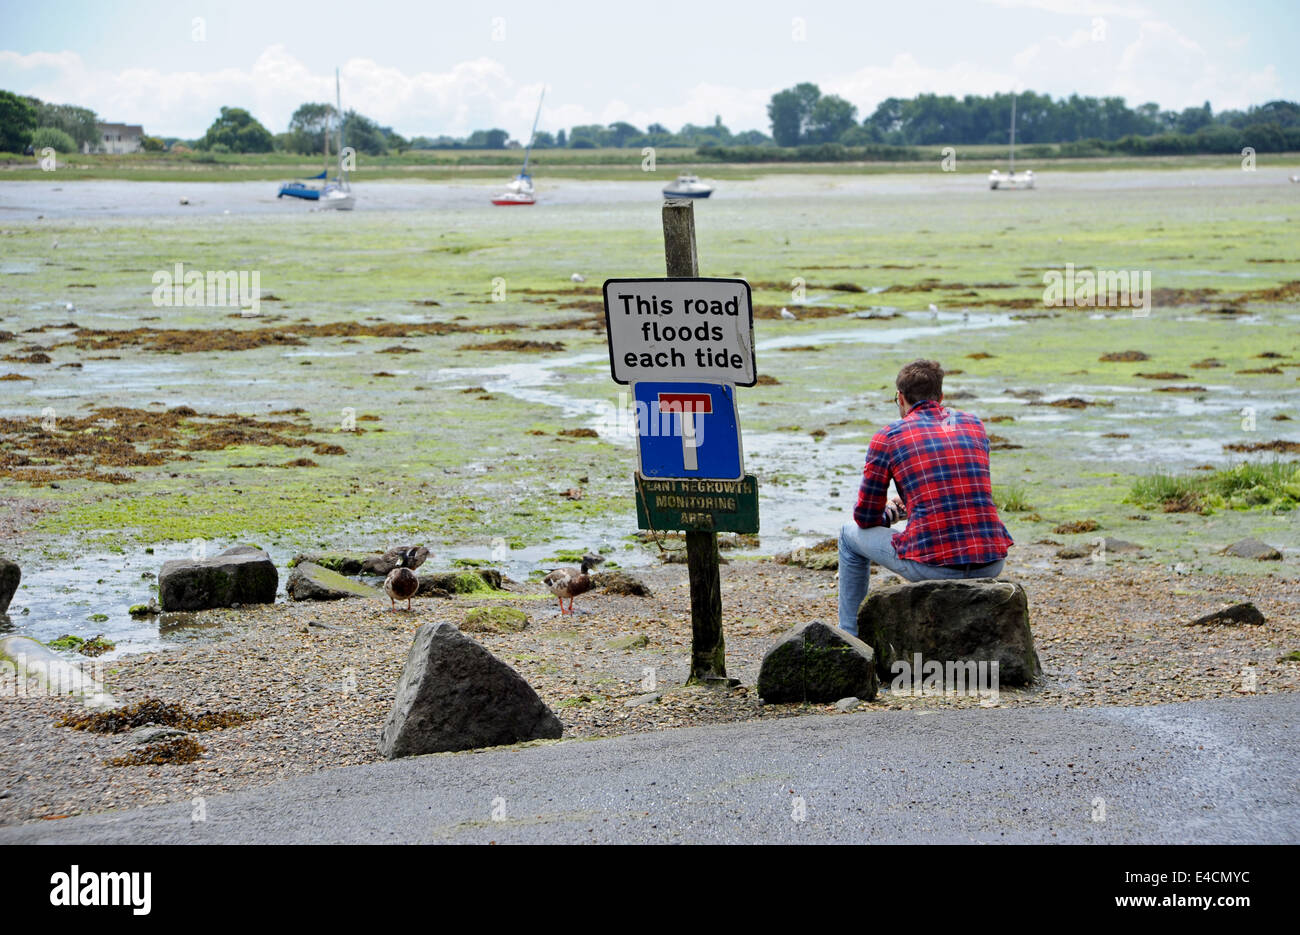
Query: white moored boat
[1011, 180]
[688, 186]
[519, 191]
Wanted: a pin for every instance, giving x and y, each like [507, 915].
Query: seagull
[401, 583]
[570, 582]
[788, 315]
[578, 277]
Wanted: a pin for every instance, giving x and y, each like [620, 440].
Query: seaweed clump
[177, 751]
[154, 711]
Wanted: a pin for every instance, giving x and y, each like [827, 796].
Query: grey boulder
[345, 563]
[310, 582]
[10, 575]
[817, 662]
[967, 620]
[444, 583]
[242, 575]
[1253, 548]
[1245, 613]
[455, 695]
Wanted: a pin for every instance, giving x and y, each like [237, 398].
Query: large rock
[455, 695]
[1246, 613]
[968, 620]
[1253, 548]
[242, 575]
[310, 582]
[619, 582]
[460, 582]
[824, 556]
[10, 575]
[817, 662]
[345, 563]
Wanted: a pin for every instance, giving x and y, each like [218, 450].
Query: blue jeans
[860, 547]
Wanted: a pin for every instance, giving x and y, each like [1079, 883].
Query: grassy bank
[590, 164]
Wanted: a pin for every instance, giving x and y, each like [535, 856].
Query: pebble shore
[322, 675]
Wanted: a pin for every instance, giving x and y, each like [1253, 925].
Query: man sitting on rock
[938, 459]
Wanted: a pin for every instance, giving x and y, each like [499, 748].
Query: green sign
[697, 505]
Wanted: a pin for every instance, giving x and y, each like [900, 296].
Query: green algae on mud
[463, 469]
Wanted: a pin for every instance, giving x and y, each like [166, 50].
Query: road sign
[687, 430]
[697, 505]
[680, 330]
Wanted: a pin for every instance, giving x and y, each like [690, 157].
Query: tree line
[802, 115]
[29, 121]
[805, 125]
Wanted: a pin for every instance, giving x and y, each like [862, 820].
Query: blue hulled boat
[301, 189]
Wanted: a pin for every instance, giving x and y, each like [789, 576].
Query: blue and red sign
[688, 430]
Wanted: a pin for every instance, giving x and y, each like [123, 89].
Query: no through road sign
[687, 430]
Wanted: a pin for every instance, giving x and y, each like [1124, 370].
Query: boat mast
[338, 98]
[533, 135]
[1013, 132]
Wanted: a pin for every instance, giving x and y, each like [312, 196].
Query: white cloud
[904, 76]
[1141, 60]
[1073, 7]
[470, 95]
[1145, 61]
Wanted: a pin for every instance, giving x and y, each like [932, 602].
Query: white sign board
[680, 330]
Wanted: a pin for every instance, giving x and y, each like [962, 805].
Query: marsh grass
[1273, 484]
[1012, 499]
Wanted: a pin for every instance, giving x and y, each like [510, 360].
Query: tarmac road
[1197, 772]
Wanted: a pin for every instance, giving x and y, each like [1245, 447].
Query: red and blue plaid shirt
[938, 459]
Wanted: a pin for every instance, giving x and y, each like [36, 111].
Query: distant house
[118, 138]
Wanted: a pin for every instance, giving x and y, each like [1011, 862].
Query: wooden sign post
[708, 650]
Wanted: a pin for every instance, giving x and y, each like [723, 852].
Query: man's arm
[870, 509]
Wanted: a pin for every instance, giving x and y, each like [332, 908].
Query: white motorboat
[688, 185]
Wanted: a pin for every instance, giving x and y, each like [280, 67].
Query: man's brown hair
[921, 379]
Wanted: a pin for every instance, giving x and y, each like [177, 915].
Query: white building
[119, 138]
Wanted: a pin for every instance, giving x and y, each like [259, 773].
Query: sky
[438, 68]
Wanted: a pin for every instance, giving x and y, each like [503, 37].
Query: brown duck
[570, 582]
[401, 583]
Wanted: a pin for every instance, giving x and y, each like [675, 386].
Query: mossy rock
[819, 663]
[310, 582]
[481, 581]
[620, 582]
[636, 641]
[495, 619]
[345, 563]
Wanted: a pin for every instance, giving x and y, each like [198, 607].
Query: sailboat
[519, 191]
[337, 193]
[333, 193]
[1011, 181]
